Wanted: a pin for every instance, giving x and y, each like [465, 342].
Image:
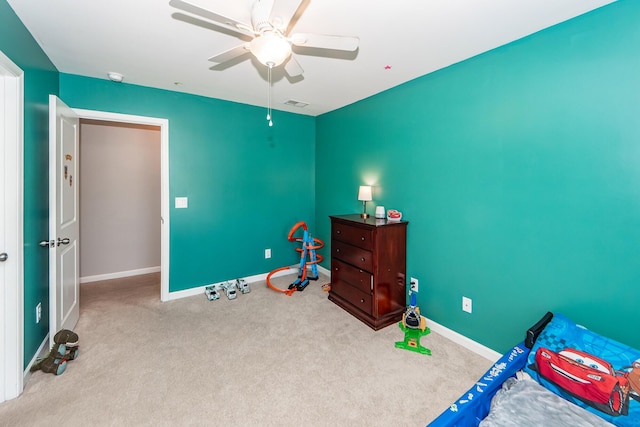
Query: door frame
[164, 180]
[12, 298]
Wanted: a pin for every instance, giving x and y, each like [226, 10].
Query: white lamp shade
[270, 49]
[364, 193]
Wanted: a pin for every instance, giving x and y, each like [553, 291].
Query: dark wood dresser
[368, 268]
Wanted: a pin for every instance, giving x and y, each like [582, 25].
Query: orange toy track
[306, 246]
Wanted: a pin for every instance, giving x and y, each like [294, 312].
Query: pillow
[592, 371]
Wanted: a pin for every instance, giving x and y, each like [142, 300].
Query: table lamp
[364, 194]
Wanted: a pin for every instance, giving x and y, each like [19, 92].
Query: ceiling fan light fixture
[270, 49]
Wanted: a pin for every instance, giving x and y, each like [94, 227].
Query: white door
[64, 282]
[11, 227]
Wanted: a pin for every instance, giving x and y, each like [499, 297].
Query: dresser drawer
[342, 272]
[352, 295]
[353, 255]
[356, 236]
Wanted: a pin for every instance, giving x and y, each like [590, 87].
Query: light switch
[182, 202]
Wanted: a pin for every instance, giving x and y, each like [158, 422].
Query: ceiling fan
[269, 29]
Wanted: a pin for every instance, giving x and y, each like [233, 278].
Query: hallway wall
[119, 198]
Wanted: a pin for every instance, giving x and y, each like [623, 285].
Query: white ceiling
[153, 44]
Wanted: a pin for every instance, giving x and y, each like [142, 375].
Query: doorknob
[4, 257]
[64, 241]
[47, 243]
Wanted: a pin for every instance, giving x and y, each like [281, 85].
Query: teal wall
[40, 79]
[247, 183]
[519, 173]
[517, 170]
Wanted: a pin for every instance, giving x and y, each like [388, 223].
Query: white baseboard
[119, 274]
[250, 279]
[42, 352]
[468, 343]
[323, 270]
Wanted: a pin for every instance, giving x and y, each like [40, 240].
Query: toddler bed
[561, 375]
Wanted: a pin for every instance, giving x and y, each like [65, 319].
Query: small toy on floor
[414, 326]
[70, 339]
[64, 349]
[229, 287]
[243, 286]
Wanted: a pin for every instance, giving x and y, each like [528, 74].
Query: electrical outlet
[267, 253]
[466, 304]
[38, 312]
[413, 285]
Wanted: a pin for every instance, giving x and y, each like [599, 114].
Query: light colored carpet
[264, 359]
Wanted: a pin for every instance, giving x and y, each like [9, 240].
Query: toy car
[243, 286]
[212, 293]
[230, 289]
[587, 377]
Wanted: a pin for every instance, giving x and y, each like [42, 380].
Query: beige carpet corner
[264, 359]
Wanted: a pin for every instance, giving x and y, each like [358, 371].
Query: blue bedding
[594, 372]
[597, 373]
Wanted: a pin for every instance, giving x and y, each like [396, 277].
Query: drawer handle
[337, 269]
[362, 300]
[362, 259]
[362, 238]
[337, 250]
[338, 231]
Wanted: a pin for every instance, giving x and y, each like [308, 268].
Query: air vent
[294, 103]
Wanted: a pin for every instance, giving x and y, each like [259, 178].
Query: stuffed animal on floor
[65, 348]
[70, 340]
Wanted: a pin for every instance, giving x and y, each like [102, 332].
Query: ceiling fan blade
[323, 41]
[282, 13]
[226, 22]
[293, 68]
[230, 54]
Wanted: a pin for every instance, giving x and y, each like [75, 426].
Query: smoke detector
[115, 77]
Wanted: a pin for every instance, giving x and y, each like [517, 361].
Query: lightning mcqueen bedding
[563, 374]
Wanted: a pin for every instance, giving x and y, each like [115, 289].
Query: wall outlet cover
[414, 285]
[466, 304]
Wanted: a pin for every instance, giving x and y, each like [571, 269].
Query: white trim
[164, 178]
[120, 274]
[12, 335]
[323, 270]
[468, 343]
[250, 279]
[43, 350]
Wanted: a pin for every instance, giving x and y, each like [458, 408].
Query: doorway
[119, 200]
[141, 122]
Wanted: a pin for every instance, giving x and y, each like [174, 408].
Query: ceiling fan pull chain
[269, 97]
